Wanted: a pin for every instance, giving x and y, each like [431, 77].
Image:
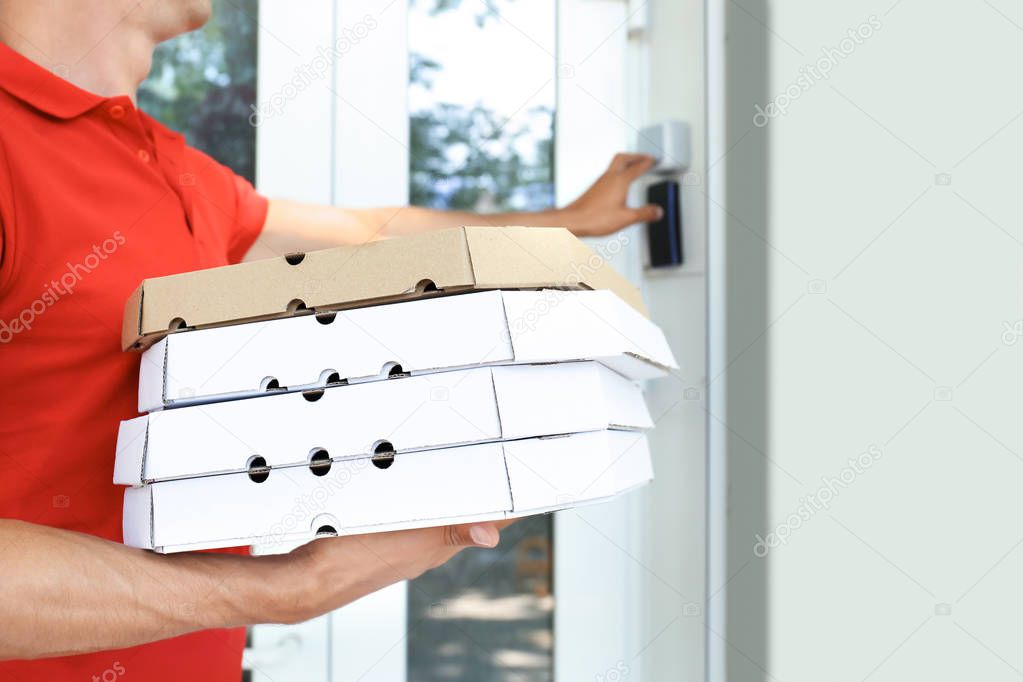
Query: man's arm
[65, 593]
[602, 209]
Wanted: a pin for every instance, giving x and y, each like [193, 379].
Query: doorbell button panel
[669, 143]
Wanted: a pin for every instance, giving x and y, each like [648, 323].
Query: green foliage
[466, 158]
[421, 70]
[487, 10]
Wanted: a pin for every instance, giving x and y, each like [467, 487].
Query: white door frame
[717, 349]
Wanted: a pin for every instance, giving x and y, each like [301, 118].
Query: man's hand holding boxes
[462, 375]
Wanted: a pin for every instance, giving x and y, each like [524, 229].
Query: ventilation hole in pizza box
[392, 370]
[176, 324]
[294, 258]
[319, 462]
[313, 395]
[269, 384]
[330, 377]
[425, 286]
[326, 318]
[383, 461]
[296, 305]
[383, 454]
[383, 447]
[259, 471]
[324, 524]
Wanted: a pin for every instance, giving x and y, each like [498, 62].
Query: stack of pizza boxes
[460, 375]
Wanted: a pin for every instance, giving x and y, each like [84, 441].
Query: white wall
[875, 233]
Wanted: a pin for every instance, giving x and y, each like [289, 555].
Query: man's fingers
[472, 535]
[647, 214]
[639, 166]
[629, 162]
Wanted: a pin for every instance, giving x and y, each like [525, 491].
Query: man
[94, 197]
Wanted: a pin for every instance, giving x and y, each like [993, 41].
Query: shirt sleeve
[227, 211]
[250, 214]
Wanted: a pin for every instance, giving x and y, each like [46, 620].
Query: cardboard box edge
[131, 324]
[130, 457]
[137, 517]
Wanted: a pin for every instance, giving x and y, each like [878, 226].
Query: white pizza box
[398, 415]
[485, 481]
[365, 344]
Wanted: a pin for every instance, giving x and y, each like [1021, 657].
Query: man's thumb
[473, 535]
[647, 214]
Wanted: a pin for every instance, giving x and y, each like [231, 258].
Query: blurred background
[837, 458]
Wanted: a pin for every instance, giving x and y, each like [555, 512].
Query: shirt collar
[42, 89]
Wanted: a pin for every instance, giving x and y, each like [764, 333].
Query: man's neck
[99, 47]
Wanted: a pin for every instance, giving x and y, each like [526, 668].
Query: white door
[496, 104]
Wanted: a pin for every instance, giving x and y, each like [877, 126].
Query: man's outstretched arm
[64, 593]
[602, 209]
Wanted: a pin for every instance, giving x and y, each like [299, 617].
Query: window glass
[481, 98]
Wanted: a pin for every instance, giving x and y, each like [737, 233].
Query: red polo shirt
[94, 197]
